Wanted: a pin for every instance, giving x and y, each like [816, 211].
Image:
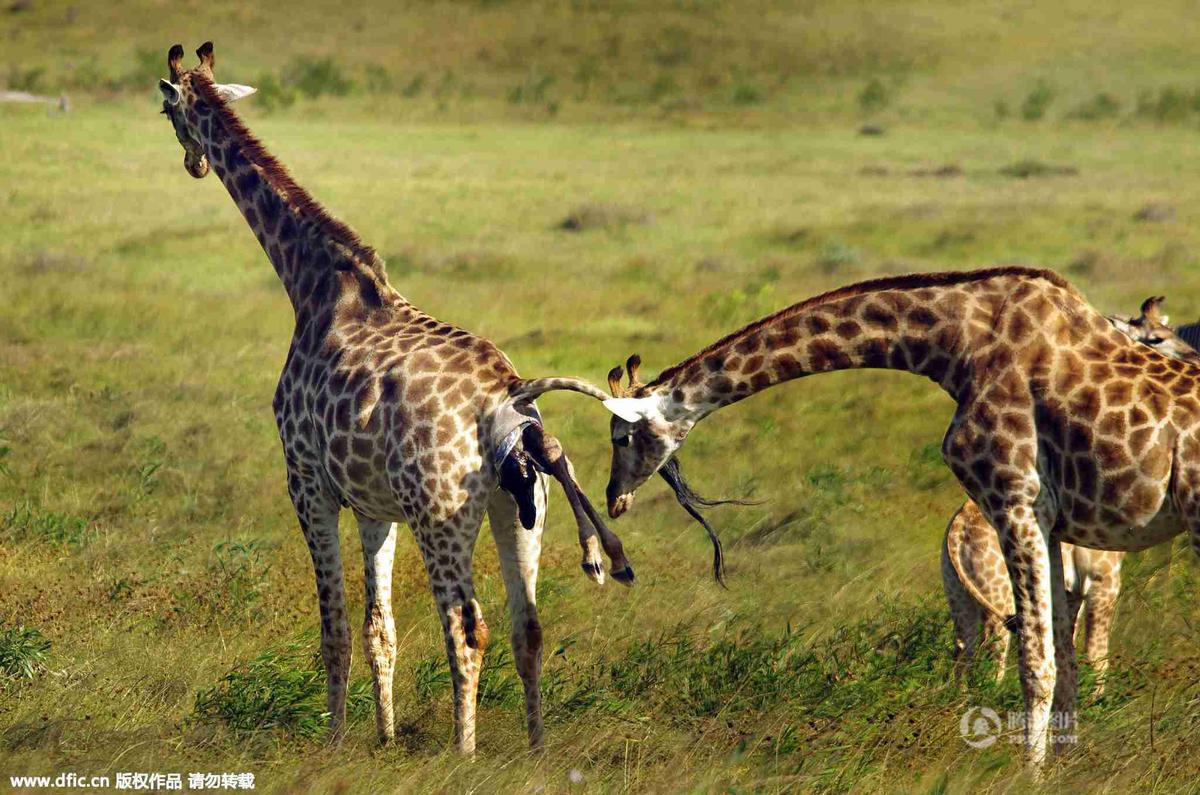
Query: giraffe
[976, 581]
[386, 410]
[1064, 428]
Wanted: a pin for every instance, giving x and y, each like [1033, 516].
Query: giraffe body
[974, 575]
[387, 411]
[1064, 429]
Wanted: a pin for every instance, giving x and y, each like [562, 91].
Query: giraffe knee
[474, 627]
[533, 636]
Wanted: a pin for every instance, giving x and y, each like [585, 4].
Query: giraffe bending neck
[318, 258]
[931, 325]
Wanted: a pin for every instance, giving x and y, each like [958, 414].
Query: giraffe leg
[379, 628]
[996, 638]
[519, 550]
[447, 550]
[1097, 621]
[1062, 716]
[1027, 554]
[964, 612]
[320, 526]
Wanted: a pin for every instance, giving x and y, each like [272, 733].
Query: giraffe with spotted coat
[387, 410]
[975, 579]
[1065, 428]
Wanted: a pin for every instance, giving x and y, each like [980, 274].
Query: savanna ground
[157, 608]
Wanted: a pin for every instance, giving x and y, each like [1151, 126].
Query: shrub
[1101, 106]
[315, 77]
[23, 652]
[1169, 106]
[25, 79]
[747, 93]
[273, 95]
[874, 96]
[835, 256]
[1037, 101]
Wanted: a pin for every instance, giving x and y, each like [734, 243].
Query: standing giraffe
[976, 580]
[1065, 429]
[390, 412]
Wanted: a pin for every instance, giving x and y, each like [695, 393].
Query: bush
[747, 93]
[315, 77]
[1037, 101]
[835, 256]
[874, 96]
[1169, 106]
[1101, 106]
[25, 79]
[23, 652]
[273, 95]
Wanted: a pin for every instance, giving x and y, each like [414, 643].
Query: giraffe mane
[909, 281]
[278, 177]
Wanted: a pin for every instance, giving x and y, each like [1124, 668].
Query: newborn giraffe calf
[975, 578]
[535, 450]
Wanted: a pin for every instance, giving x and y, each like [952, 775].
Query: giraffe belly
[1123, 536]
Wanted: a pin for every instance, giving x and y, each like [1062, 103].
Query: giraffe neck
[320, 260]
[932, 327]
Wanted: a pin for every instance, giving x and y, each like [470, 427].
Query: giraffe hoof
[624, 576]
[594, 571]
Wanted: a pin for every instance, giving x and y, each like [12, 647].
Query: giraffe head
[1150, 328]
[646, 431]
[179, 103]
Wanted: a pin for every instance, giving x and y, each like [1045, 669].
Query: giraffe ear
[170, 91]
[630, 409]
[232, 92]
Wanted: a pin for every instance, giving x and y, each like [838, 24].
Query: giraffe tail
[528, 389]
[954, 550]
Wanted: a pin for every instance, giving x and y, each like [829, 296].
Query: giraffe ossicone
[394, 414]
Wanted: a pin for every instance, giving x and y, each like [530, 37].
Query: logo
[980, 726]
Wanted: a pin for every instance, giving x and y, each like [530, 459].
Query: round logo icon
[979, 727]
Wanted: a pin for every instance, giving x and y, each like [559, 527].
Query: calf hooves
[624, 576]
[594, 571]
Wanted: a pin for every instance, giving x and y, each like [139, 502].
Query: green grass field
[147, 544]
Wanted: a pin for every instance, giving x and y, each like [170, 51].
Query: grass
[709, 155]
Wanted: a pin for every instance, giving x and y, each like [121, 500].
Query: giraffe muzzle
[619, 504]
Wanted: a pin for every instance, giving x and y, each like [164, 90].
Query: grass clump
[23, 652]
[1024, 169]
[602, 216]
[282, 690]
[29, 522]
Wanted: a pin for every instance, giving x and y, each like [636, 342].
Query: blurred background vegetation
[577, 181]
